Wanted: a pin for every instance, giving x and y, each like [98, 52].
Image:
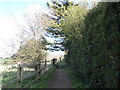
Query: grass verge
[45, 78]
[42, 82]
[75, 82]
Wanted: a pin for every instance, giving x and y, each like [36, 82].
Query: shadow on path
[60, 79]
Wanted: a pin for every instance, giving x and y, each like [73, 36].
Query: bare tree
[35, 25]
[31, 46]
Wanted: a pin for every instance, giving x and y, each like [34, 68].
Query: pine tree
[58, 12]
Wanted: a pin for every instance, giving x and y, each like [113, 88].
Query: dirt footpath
[60, 80]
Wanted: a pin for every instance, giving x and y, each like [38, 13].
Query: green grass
[9, 76]
[28, 80]
[45, 78]
[75, 82]
[42, 82]
[7, 62]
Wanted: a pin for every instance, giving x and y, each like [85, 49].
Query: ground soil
[60, 80]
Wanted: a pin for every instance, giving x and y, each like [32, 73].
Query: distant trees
[32, 50]
[31, 47]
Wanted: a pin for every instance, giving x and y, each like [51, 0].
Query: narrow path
[60, 80]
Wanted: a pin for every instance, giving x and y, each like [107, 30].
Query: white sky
[11, 13]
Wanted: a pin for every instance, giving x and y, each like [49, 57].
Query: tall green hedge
[95, 57]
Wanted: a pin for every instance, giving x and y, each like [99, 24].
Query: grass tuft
[75, 82]
[45, 78]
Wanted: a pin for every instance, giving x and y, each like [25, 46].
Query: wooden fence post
[51, 62]
[19, 75]
[60, 59]
[45, 63]
[1, 80]
[38, 68]
[54, 61]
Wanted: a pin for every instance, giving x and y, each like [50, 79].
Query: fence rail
[39, 69]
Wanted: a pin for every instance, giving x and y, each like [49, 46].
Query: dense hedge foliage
[94, 52]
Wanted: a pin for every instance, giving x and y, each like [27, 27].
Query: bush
[94, 54]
